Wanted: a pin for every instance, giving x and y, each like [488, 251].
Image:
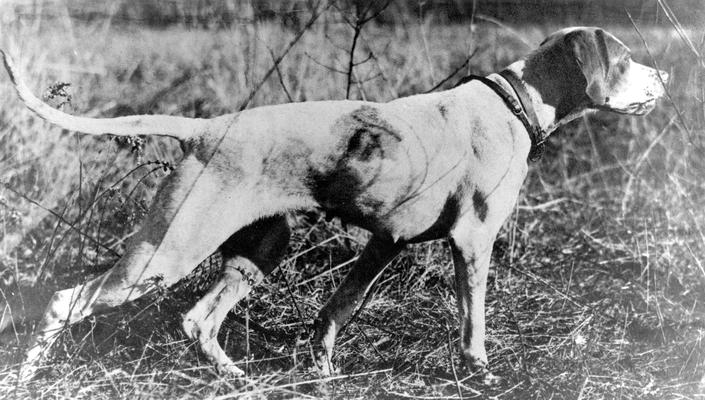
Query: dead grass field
[597, 287]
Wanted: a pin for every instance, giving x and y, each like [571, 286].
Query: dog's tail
[162, 125]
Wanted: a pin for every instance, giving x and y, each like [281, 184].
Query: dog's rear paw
[490, 379]
[229, 370]
[26, 373]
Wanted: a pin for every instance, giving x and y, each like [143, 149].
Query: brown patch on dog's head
[582, 68]
[602, 59]
[591, 54]
[612, 80]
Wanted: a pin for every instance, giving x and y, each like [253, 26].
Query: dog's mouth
[637, 108]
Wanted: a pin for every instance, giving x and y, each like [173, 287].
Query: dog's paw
[490, 379]
[478, 368]
[27, 372]
[323, 365]
[229, 370]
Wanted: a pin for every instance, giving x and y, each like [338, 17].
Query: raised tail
[162, 125]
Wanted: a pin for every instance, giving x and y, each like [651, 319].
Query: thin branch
[681, 32]
[453, 73]
[681, 118]
[334, 44]
[368, 58]
[60, 218]
[452, 364]
[519, 36]
[281, 78]
[279, 59]
[358, 81]
[361, 18]
[376, 13]
[351, 63]
[328, 67]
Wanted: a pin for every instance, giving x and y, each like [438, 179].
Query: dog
[444, 165]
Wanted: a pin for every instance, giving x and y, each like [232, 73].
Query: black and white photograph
[352, 199]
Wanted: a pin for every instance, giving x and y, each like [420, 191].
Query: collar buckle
[515, 106]
[538, 144]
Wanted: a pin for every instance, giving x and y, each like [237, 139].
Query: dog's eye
[607, 99]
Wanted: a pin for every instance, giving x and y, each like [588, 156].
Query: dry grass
[597, 288]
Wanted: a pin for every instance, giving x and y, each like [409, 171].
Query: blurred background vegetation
[225, 13]
[597, 288]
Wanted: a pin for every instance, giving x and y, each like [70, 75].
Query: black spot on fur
[467, 335]
[443, 110]
[337, 188]
[364, 144]
[368, 118]
[479, 135]
[480, 205]
[446, 219]
[339, 193]
[512, 131]
[371, 136]
[475, 151]
[367, 141]
[263, 242]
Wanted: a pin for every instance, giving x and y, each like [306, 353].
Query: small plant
[135, 143]
[59, 91]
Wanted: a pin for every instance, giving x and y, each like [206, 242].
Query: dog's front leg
[471, 244]
[377, 254]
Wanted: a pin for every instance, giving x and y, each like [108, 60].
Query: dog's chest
[394, 179]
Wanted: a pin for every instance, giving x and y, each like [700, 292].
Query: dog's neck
[551, 109]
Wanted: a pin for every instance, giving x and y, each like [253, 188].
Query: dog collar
[521, 108]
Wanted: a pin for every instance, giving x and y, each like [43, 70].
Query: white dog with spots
[441, 165]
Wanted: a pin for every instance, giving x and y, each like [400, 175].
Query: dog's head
[612, 80]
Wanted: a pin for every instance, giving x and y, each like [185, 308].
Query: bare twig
[281, 78]
[519, 36]
[60, 218]
[236, 395]
[279, 59]
[635, 171]
[328, 67]
[681, 118]
[362, 17]
[427, 52]
[681, 32]
[452, 364]
[351, 64]
[453, 73]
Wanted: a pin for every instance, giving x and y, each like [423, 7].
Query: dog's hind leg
[193, 213]
[248, 256]
[376, 255]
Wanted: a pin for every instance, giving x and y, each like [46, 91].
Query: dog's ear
[590, 50]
